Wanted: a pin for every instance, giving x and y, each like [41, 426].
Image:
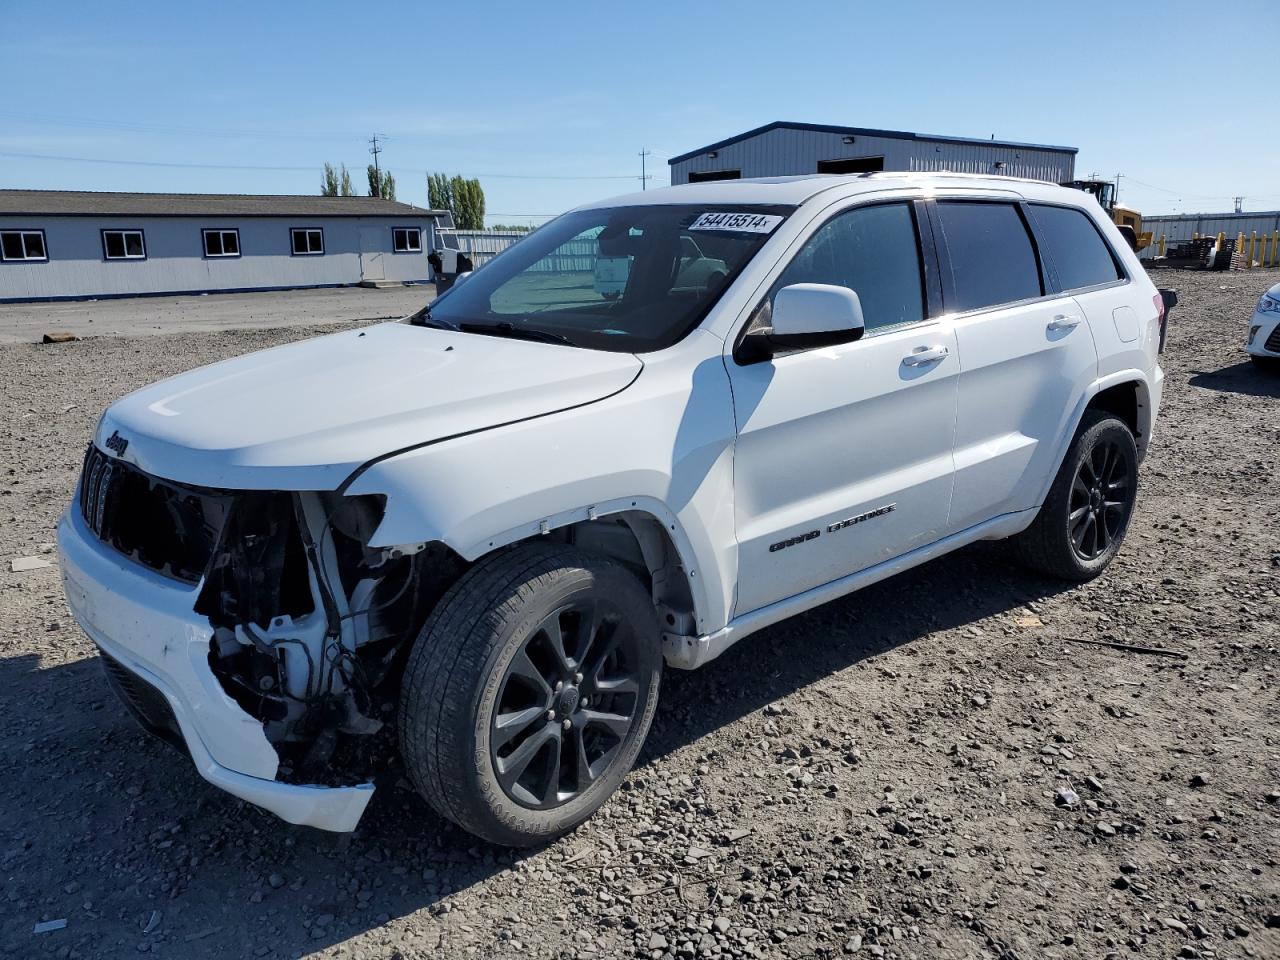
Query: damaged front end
[310, 625]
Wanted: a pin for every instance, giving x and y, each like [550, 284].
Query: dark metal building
[788, 149]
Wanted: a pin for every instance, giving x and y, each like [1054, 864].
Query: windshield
[629, 279]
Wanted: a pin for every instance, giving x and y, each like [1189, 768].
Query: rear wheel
[1082, 523]
[529, 692]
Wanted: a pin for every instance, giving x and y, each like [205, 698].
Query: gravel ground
[146, 316]
[881, 777]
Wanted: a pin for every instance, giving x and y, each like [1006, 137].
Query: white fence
[483, 245]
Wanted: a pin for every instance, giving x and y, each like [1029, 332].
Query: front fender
[663, 447]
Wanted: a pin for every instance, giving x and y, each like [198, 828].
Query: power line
[293, 169]
[160, 128]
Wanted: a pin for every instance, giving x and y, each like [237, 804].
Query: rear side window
[992, 259]
[1080, 257]
[872, 251]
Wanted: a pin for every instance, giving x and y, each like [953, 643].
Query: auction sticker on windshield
[737, 222]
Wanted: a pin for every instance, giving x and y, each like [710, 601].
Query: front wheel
[529, 692]
[1082, 522]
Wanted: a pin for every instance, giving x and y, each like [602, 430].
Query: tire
[473, 743]
[1063, 542]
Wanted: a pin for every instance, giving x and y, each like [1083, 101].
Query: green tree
[462, 198]
[439, 195]
[381, 183]
[336, 182]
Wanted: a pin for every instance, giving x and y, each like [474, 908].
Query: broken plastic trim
[311, 625]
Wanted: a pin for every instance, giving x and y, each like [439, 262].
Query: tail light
[1165, 300]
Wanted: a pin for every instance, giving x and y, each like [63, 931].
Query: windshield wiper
[423, 318]
[506, 328]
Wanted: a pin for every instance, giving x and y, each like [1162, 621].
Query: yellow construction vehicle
[1126, 218]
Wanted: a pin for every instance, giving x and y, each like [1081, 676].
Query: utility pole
[1116, 198]
[375, 150]
[644, 177]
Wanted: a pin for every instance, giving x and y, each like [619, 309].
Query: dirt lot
[876, 778]
[145, 316]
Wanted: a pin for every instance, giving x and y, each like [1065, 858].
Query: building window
[851, 165]
[406, 239]
[123, 245]
[221, 243]
[708, 176]
[23, 245]
[307, 241]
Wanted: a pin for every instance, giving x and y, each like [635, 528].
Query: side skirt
[689, 653]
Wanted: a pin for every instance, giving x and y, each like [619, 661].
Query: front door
[1025, 355]
[843, 456]
[373, 246]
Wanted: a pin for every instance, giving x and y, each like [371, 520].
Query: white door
[1025, 356]
[373, 246]
[843, 457]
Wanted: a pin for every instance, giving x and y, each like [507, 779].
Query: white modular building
[66, 245]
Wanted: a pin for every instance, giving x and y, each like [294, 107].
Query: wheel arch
[639, 532]
[1126, 394]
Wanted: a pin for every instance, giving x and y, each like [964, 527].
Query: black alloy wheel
[530, 690]
[1101, 498]
[1080, 526]
[566, 702]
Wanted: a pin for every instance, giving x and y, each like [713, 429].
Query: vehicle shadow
[1243, 378]
[110, 827]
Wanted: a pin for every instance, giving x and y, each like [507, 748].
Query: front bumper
[145, 623]
[1266, 341]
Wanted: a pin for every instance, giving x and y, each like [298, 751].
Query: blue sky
[550, 103]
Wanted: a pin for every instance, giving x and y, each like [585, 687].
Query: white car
[1263, 343]
[486, 527]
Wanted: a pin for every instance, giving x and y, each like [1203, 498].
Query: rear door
[1026, 355]
[843, 457]
[1083, 264]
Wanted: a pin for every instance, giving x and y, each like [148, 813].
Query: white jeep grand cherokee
[486, 527]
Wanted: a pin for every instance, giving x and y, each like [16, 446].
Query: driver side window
[874, 251]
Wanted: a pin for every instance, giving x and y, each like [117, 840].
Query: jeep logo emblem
[117, 443]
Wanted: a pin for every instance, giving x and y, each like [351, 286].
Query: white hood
[305, 415]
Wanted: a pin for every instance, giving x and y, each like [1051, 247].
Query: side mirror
[807, 315]
[817, 309]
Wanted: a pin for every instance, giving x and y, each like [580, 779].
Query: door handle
[923, 355]
[1064, 322]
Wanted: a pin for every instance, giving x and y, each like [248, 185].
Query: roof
[866, 132]
[795, 190]
[64, 203]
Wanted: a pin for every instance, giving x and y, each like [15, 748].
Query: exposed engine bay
[310, 623]
[311, 626]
